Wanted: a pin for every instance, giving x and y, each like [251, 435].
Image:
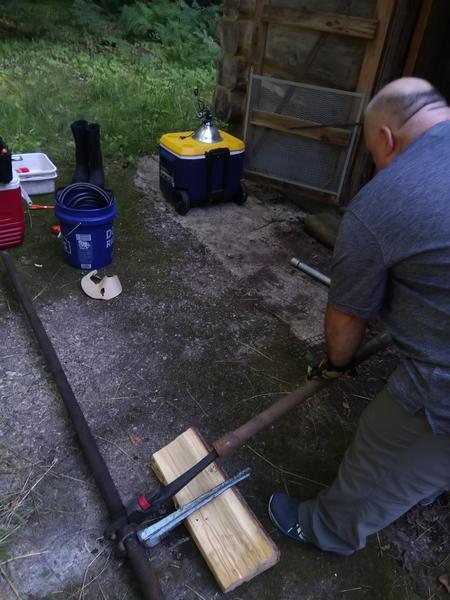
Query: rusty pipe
[233, 440]
[145, 576]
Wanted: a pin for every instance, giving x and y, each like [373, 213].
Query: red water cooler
[12, 219]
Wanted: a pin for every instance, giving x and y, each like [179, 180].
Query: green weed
[185, 32]
[136, 89]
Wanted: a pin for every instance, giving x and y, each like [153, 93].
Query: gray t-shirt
[392, 260]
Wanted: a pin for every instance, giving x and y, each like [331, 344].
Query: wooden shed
[343, 45]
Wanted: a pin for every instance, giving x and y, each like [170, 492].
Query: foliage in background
[185, 33]
[153, 18]
[85, 63]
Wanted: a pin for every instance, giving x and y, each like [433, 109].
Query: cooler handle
[211, 157]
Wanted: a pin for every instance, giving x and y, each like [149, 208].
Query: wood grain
[231, 540]
[296, 126]
[320, 21]
[229, 105]
[323, 227]
[259, 38]
[374, 48]
[234, 9]
[236, 37]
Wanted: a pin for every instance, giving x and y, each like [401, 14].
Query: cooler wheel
[242, 196]
[182, 202]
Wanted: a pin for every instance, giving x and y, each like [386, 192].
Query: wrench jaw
[140, 510]
[136, 517]
[122, 528]
[150, 542]
[152, 535]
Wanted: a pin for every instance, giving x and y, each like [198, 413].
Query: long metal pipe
[145, 575]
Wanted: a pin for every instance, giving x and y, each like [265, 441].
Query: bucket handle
[16, 157]
[70, 232]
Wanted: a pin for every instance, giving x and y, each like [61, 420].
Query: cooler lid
[183, 144]
[12, 185]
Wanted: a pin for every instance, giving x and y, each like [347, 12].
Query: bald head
[400, 112]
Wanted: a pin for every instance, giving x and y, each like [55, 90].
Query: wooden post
[236, 34]
[374, 48]
[396, 44]
[259, 39]
[417, 38]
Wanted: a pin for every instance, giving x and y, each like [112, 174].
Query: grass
[59, 71]
[17, 505]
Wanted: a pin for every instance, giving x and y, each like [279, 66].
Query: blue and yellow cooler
[197, 168]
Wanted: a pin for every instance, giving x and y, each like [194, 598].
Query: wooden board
[417, 38]
[296, 126]
[320, 21]
[259, 39]
[323, 227]
[375, 48]
[230, 538]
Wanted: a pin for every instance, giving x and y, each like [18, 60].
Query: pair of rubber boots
[88, 154]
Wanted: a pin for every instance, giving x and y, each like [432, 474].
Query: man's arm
[344, 334]
[358, 284]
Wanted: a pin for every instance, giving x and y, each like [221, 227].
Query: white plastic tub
[40, 174]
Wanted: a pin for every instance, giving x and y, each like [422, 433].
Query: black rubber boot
[79, 130]
[96, 174]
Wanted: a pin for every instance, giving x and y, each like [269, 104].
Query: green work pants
[394, 462]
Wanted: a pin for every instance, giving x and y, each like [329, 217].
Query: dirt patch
[255, 243]
[420, 542]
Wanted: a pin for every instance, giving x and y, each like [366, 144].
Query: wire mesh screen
[300, 134]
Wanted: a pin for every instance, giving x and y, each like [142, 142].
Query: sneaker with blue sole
[283, 512]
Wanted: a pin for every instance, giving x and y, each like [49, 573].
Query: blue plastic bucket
[86, 214]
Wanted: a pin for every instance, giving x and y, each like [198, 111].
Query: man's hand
[327, 371]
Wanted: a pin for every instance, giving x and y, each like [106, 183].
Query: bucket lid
[99, 288]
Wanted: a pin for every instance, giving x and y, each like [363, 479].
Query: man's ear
[388, 139]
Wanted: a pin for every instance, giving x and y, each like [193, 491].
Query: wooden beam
[234, 9]
[282, 71]
[259, 38]
[230, 538]
[229, 105]
[360, 162]
[232, 71]
[374, 48]
[324, 227]
[296, 126]
[417, 38]
[236, 36]
[396, 44]
[320, 21]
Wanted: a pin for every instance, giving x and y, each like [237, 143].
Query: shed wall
[294, 53]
